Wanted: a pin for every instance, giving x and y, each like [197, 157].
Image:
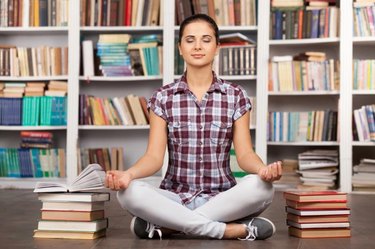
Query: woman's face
[198, 44]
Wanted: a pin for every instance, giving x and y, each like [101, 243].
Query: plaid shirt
[200, 135]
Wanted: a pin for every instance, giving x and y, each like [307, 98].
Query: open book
[92, 177]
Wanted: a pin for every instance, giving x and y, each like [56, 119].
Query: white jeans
[201, 217]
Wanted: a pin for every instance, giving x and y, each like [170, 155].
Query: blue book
[314, 23]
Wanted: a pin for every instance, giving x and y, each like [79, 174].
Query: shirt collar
[217, 84]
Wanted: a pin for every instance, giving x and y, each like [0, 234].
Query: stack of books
[67, 213]
[317, 214]
[364, 175]
[318, 169]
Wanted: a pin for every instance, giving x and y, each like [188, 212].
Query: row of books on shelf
[108, 158]
[129, 110]
[317, 214]
[364, 175]
[301, 23]
[32, 162]
[121, 12]
[309, 71]
[69, 213]
[236, 60]
[364, 18]
[33, 61]
[302, 3]
[302, 126]
[224, 12]
[20, 89]
[363, 75]
[29, 13]
[122, 55]
[33, 111]
[364, 123]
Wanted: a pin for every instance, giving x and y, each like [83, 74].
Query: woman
[198, 117]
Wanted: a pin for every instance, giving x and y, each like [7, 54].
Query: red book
[317, 205]
[38, 134]
[316, 196]
[128, 13]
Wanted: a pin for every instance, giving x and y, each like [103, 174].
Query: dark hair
[196, 18]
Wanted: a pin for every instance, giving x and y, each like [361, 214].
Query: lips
[197, 55]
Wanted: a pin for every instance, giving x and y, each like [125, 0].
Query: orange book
[314, 196]
[319, 232]
[317, 219]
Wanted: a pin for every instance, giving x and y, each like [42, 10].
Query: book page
[41, 187]
[92, 177]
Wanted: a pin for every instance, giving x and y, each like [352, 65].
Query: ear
[217, 49]
[179, 49]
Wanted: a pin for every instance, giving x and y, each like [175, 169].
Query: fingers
[112, 181]
[272, 172]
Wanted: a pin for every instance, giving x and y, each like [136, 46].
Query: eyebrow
[193, 36]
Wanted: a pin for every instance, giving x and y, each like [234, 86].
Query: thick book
[317, 219]
[68, 234]
[74, 197]
[314, 196]
[92, 177]
[316, 205]
[319, 232]
[318, 225]
[73, 206]
[81, 226]
[72, 215]
[317, 212]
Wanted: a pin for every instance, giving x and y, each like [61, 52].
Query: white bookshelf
[134, 137]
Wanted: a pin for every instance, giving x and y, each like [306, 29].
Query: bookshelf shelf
[31, 128]
[305, 41]
[231, 28]
[303, 143]
[363, 92]
[301, 93]
[34, 30]
[238, 77]
[34, 78]
[367, 40]
[121, 79]
[114, 127]
[357, 143]
[122, 29]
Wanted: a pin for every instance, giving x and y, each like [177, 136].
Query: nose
[197, 45]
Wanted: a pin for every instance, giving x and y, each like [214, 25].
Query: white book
[92, 177]
[83, 226]
[73, 206]
[73, 197]
[317, 212]
[318, 225]
[88, 58]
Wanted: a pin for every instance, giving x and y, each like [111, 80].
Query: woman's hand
[271, 173]
[117, 180]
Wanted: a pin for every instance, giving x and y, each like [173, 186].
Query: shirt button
[201, 127]
[200, 143]
[201, 159]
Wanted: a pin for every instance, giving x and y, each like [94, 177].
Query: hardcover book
[314, 196]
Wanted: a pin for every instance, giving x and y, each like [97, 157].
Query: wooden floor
[20, 210]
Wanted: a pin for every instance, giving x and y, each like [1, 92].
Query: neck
[199, 77]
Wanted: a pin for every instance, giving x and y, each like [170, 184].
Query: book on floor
[320, 232]
[317, 219]
[46, 234]
[72, 215]
[316, 205]
[317, 212]
[73, 206]
[314, 196]
[81, 226]
[92, 177]
[74, 197]
[318, 225]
